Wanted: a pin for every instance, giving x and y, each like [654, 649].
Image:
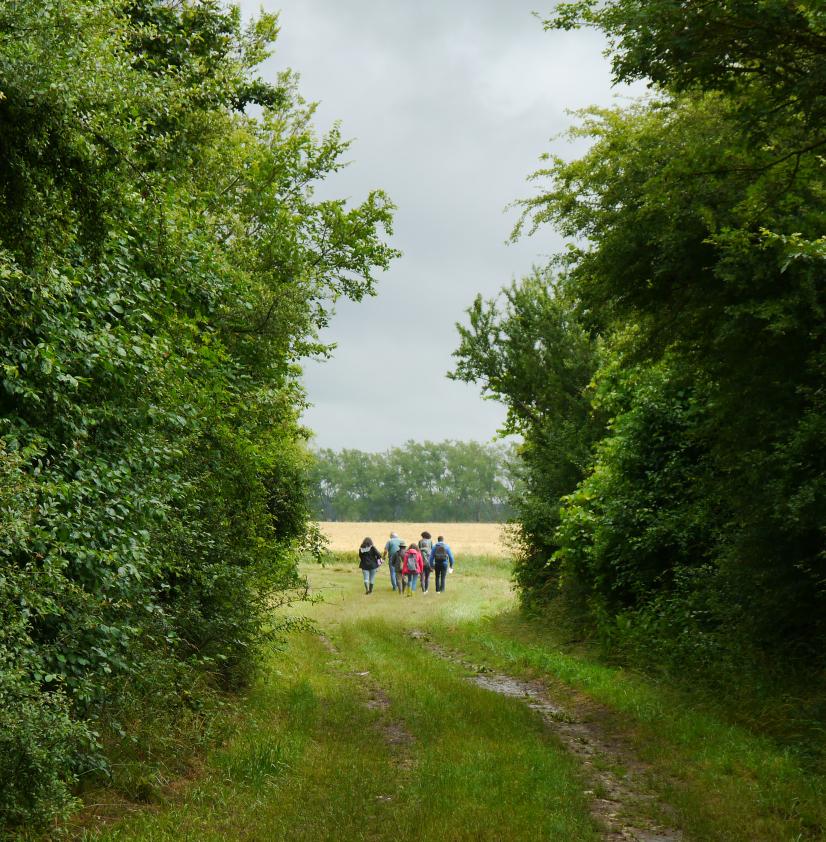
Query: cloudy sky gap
[449, 106]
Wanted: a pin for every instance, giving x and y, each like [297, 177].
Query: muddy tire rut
[621, 802]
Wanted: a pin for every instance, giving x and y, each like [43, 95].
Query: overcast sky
[450, 104]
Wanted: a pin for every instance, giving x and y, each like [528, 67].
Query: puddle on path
[624, 804]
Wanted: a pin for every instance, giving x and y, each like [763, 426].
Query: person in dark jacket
[369, 561]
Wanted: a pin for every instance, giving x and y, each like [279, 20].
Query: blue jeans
[412, 578]
[441, 575]
[393, 581]
[369, 576]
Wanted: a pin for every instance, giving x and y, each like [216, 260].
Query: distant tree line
[443, 481]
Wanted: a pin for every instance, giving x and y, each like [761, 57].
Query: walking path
[622, 805]
[405, 719]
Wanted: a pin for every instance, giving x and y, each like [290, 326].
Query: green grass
[311, 761]
[305, 740]
[726, 782]
[484, 766]
[440, 758]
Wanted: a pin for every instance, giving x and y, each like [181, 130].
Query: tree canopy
[165, 266]
[695, 268]
[420, 481]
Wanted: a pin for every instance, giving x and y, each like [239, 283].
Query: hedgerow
[164, 267]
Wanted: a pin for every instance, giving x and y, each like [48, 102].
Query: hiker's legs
[393, 576]
[425, 579]
[441, 575]
[371, 576]
[414, 577]
[366, 575]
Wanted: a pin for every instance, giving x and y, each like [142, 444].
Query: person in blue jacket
[441, 558]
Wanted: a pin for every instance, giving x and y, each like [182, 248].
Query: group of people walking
[407, 562]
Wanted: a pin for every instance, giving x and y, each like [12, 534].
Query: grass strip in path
[621, 801]
[366, 737]
[306, 763]
[727, 783]
[485, 767]
[381, 740]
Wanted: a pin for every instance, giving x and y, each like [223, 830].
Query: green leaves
[752, 49]
[164, 266]
[530, 351]
[439, 481]
[696, 222]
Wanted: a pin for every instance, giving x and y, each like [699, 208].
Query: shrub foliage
[164, 266]
[678, 474]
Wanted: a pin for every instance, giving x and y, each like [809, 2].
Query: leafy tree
[441, 481]
[696, 254]
[770, 50]
[532, 353]
[164, 268]
[737, 315]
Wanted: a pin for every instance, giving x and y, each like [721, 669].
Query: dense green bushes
[164, 266]
[693, 531]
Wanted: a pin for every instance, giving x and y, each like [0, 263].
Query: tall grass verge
[728, 782]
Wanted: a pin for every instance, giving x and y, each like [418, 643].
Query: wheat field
[463, 538]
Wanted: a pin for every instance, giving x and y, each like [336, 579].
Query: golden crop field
[463, 538]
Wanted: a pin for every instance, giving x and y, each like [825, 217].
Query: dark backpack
[440, 553]
[397, 560]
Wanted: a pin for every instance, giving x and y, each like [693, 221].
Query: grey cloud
[450, 106]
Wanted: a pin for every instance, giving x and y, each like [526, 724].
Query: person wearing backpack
[369, 561]
[441, 557]
[397, 563]
[390, 549]
[425, 546]
[413, 566]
